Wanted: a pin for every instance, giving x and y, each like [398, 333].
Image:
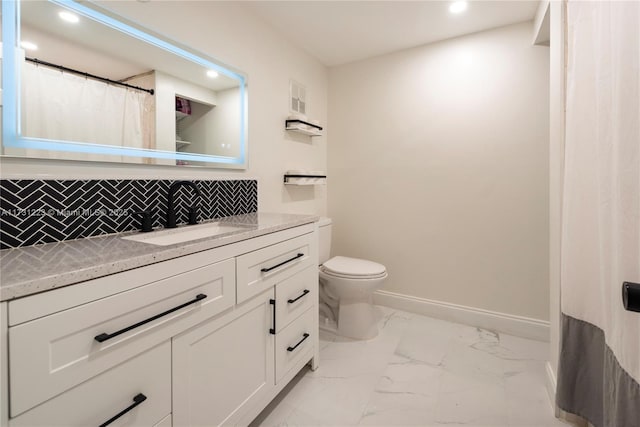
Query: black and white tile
[44, 211]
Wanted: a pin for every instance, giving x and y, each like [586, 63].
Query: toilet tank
[324, 239]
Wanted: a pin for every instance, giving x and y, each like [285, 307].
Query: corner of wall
[541, 24]
[556, 171]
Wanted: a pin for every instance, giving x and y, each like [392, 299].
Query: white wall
[226, 31]
[439, 169]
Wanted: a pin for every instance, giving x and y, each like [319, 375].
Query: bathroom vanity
[204, 332]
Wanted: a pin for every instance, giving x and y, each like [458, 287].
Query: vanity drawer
[259, 270]
[296, 295]
[295, 343]
[62, 350]
[104, 396]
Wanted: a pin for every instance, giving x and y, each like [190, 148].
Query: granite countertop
[32, 269]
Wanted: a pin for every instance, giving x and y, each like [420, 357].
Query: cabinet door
[225, 366]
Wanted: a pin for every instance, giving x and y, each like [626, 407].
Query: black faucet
[171, 212]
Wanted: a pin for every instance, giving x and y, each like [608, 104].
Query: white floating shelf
[310, 132]
[303, 127]
[305, 178]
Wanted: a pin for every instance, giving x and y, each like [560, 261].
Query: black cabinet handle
[104, 336]
[304, 337]
[631, 296]
[272, 331]
[291, 301]
[138, 399]
[265, 270]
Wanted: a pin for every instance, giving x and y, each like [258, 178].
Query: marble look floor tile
[399, 409]
[391, 330]
[338, 401]
[526, 349]
[471, 364]
[342, 348]
[299, 418]
[476, 403]
[372, 364]
[404, 369]
[497, 345]
[419, 371]
[530, 409]
[527, 399]
[405, 395]
[427, 340]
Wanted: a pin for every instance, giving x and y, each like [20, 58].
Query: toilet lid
[353, 267]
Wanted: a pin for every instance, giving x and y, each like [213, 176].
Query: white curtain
[601, 218]
[64, 106]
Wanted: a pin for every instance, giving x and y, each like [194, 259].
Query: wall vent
[298, 97]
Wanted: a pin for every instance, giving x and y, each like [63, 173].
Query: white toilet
[346, 290]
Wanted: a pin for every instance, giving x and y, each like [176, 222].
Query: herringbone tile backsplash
[43, 211]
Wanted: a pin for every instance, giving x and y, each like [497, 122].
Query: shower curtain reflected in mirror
[84, 109]
[599, 366]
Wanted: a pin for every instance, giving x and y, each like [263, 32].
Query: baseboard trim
[524, 327]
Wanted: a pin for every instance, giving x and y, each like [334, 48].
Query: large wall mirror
[81, 83]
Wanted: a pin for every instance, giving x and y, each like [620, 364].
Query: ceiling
[338, 32]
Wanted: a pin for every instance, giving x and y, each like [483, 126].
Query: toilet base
[329, 326]
[350, 303]
[357, 320]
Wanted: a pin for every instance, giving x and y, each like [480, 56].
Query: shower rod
[88, 75]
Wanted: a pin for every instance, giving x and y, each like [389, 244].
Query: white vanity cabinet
[203, 338]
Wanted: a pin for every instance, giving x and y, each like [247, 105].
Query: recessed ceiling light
[212, 74]
[28, 45]
[68, 16]
[458, 7]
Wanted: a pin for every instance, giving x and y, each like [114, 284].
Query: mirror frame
[11, 61]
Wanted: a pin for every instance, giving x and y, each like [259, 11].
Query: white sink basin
[186, 233]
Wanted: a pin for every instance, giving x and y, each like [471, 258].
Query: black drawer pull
[272, 331]
[138, 399]
[265, 270]
[291, 301]
[104, 336]
[304, 337]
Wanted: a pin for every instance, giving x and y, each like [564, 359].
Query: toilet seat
[353, 268]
